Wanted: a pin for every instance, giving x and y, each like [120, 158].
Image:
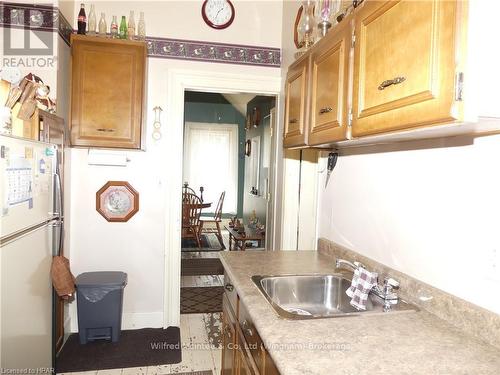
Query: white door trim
[178, 82]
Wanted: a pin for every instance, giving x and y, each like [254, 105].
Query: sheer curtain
[211, 161]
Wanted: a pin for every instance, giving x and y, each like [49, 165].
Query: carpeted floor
[201, 299]
[136, 348]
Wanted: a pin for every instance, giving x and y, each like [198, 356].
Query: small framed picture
[117, 201]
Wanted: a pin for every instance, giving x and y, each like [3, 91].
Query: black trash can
[100, 304]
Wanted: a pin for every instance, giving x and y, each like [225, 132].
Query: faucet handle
[390, 284]
[359, 265]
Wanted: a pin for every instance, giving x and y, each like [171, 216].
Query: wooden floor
[199, 351]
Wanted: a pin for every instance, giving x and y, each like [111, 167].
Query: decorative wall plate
[117, 201]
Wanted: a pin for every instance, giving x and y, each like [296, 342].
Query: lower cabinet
[228, 339]
[243, 352]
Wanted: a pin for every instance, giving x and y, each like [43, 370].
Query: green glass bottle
[123, 29]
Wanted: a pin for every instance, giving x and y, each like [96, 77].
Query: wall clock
[218, 14]
[117, 201]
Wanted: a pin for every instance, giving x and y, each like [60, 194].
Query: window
[211, 161]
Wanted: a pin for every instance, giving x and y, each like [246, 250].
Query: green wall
[215, 109]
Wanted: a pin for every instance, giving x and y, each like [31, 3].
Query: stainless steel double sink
[317, 296]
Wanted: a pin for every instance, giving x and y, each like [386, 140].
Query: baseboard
[129, 321]
[142, 320]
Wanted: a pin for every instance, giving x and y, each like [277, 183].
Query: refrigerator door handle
[58, 193]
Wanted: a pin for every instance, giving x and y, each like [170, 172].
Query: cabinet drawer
[230, 293]
[404, 65]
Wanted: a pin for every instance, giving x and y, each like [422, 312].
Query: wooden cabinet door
[404, 65]
[244, 368]
[228, 339]
[108, 90]
[296, 88]
[329, 87]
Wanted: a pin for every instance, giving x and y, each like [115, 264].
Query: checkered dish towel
[362, 282]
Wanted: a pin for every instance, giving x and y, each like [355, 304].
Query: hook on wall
[157, 123]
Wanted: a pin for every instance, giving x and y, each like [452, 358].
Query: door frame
[179, 81]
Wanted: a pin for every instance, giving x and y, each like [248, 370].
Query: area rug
[195, 300]
[198, 267]
[136, 348]
[209, 242]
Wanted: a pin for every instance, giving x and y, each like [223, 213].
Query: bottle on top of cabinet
[123, 28]
[131, 26]
[114, 28]
[141, 28]
[102, 26]
[92, 20]
[82, 20]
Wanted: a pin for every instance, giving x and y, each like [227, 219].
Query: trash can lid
[102, 278]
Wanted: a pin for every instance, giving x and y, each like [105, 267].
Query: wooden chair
[187, 189]
[215, 220]
[191, 210]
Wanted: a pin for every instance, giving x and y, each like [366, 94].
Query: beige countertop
[392, 343]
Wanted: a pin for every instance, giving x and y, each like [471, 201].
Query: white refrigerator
[30, 234]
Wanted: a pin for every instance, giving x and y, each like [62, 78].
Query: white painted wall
[431, 212]
[256, 22]
[138, 246]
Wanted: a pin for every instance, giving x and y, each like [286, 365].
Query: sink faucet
[384, 292]
[342, 263]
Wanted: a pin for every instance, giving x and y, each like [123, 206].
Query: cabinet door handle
[105, 130]
[324, 110]
[227, 330]
[246, 328]
[389, 82]
[293, 121]
[229, 287]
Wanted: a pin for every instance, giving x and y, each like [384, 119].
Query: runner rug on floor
[136, 348]
[208, 243]
[195, 300]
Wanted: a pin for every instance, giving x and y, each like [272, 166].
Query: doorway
[180, 81]
[227, 169]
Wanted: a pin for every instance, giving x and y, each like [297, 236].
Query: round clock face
[218, 14]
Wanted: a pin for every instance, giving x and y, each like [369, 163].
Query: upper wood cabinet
[296, 110]
[404, 65]
[329, 87]
[389, 66]
[107, 92]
